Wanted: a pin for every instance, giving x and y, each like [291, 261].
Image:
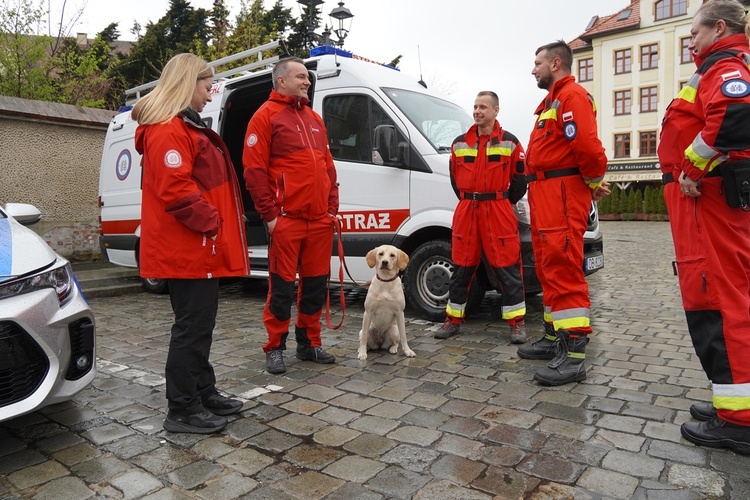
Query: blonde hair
[732, 12]
[174, 90]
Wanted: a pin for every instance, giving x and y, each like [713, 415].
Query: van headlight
[522, 211]
[61, 279]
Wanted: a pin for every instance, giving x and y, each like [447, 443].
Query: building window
[649, 56]
[586, 70]
[665, 9]
[685, 55]
[622, 61]
[648, 143]
[648, 99]
[623, 100]
[680, 85]
[622, 145]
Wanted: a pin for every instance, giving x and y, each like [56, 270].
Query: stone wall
[52, 162]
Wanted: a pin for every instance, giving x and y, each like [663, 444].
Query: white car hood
[22, 251]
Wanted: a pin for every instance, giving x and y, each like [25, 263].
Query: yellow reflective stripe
[594, 182]
[568, 323]
[498, 150]
[547, 315]
[455, 310]
[687, 93]
[465, 152]
[577, 355]
[731, 403]
[701, 155]
[513, 313]
[550, 114]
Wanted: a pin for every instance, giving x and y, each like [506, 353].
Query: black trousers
[189, 373]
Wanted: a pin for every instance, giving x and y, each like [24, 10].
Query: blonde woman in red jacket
[192, 233]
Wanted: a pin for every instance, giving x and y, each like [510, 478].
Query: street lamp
[341, 14]
[309, 16]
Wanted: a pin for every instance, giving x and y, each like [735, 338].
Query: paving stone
[314, 456]
[521, 438]
[426, 400]
[396, 482]
[673, 452]
[194, 474]
[610, 483]
[335, 435]
[164, 459]
[274, 441]
[425, 418]
[135, 483]
[232, 485]
[574, 450]
[415, 435]
[351, 491]
[633, 464]
[731, 463]
[663, 431]
[550, 468]
[355, 402]
[468, 427]
[37, 474]
[413, 458]
[507, 416]
[631, 425]
[694, 478]
[76, 454]
[58, 442]
[304, 406]
[619, 440]
[337, 416]
[299, 425]
[501, 482]
[107, 433]
[246, 461]
[457, 469]
[66, 488]
[131, 446]
[370, 445]
[390, 410]
[565, 428]
[354, 468]
[314, 484]
[376, 425]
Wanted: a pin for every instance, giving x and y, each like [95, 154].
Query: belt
[669, 176]
[541, 175]
[495, 195]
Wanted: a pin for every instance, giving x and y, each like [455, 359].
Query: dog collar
[385, 281]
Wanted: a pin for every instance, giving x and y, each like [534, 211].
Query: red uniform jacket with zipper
[288, 167]
[190, 193]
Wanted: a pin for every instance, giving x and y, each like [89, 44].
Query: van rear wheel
[155, 285]
[427, 280]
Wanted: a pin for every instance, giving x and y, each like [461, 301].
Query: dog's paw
[410, 354]
[393, 349]
[362, 355]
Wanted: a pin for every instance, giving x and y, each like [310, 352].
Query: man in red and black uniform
[566, 164]
[487, 174]
[704, 136]
[290, 174]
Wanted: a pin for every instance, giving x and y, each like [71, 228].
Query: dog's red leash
[342, 267]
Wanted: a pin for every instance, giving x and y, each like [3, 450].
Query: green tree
[614, 203]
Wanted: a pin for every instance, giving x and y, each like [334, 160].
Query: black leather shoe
[275, 362]
[718, 433]
[203, 422]
[316, 354]
[222, 405]
[703, 411]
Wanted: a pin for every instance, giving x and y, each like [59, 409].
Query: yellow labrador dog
[383, 322]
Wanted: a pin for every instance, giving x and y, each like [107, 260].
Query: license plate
[592, 263]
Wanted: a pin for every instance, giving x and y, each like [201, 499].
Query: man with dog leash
[487, 174]
[566, 165]
[291, 177]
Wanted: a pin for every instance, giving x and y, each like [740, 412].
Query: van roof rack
[132, 95]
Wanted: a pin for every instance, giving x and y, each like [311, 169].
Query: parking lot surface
[462, 420]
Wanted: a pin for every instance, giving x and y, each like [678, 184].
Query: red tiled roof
[609, 24]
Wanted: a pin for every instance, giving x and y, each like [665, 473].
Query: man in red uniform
[566, 164]
[705, 136]
[290, 174]
[487, 174]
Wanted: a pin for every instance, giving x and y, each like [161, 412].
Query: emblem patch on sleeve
[252, 139]
[172, 159]
[570, 130]
[735, 88]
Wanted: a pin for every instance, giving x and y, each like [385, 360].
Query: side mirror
[385, 150]
[24, 213]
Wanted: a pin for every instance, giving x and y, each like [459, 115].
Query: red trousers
[559, 217]
[298, 247]
[712, 249]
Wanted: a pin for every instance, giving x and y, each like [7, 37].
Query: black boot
[568, 364]
[543, 348]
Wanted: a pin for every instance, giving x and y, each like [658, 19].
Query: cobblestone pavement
[462, 420]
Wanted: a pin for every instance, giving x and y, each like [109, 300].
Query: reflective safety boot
[568, 364]
[543, 348]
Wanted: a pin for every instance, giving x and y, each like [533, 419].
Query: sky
[458, 47]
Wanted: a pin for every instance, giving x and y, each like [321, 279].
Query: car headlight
[61, 279]
[522, 211]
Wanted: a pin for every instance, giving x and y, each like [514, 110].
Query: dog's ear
[403, 260]
[370, 258]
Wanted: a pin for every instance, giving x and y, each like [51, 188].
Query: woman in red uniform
[192, 233]
[705, 138]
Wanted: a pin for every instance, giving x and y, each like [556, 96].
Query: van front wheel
[155, 285]
[427, 279]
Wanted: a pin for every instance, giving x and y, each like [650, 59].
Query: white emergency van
[390, 138]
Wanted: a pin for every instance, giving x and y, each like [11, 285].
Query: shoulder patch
[567, 116]
[252, 139]
[172, 159]
[732, 75]
[735, 88]
[570, 130]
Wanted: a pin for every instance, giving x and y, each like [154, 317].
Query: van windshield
[439, 121]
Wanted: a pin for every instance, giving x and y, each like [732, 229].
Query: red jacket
[565, 134]
[288, 166]
[190, 193]
[707, 123]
